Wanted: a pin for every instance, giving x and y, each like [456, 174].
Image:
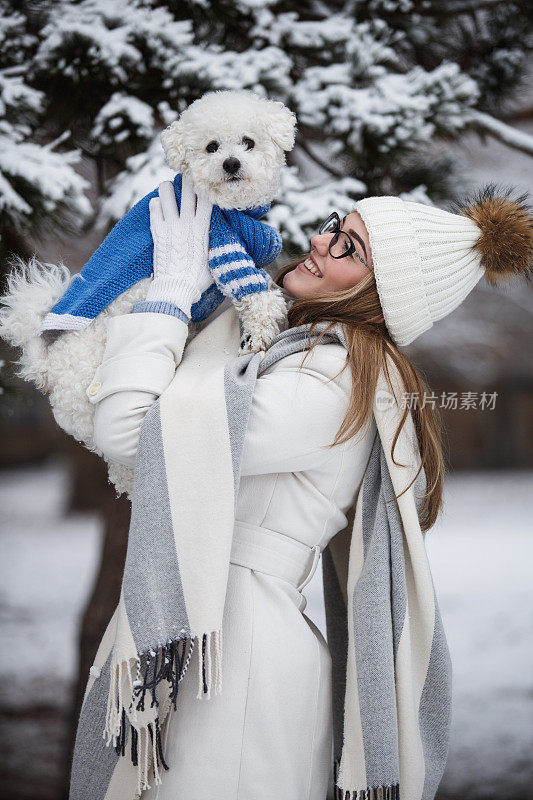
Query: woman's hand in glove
[181, 247]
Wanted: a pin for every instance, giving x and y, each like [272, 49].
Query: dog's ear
[281, 125]
[173, 145]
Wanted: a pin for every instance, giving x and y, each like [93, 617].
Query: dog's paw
[255, 342]
[262, 316]
[247, 345]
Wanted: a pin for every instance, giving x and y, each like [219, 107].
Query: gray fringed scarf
[391, 667]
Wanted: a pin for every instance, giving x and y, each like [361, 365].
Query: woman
[385, 272]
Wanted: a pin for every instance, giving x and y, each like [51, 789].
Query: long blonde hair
[359, 311]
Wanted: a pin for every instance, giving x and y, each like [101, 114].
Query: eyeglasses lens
[340, 244]
[330, 225]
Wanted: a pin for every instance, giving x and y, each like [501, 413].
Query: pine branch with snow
[374, 84]
[124, 119]
[39, 187]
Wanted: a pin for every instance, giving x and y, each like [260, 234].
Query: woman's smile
[310, 266]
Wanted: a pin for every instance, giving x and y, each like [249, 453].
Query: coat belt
[273, 553]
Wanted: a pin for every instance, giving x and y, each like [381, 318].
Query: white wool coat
[269, 734]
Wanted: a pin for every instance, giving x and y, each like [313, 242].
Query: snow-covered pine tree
[39, 188]
[374, 84]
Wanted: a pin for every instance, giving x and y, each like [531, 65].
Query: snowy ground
[481, 554]
[47, 562]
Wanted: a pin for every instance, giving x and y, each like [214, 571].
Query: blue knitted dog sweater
[239, 246]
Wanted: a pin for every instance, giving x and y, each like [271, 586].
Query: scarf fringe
[210, 664]
[389, 791]
[168, 663]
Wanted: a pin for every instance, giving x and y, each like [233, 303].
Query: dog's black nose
[231, 165]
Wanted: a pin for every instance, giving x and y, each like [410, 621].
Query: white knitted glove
[181, 246]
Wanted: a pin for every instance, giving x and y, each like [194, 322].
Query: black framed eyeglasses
[341, 244]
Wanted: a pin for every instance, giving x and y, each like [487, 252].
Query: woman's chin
[290, 281]
[298, 283]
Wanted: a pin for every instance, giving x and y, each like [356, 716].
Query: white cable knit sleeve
[140, 358]
[294, 414]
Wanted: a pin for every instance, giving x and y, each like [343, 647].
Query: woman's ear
[173, 146]
[281, 125]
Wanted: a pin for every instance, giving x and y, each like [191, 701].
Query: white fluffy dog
[231, 146]
[63, 367]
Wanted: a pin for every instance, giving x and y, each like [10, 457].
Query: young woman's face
[334, 274]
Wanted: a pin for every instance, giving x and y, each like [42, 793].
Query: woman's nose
[320, 242]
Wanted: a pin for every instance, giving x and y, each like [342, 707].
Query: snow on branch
[300, 209]
[510, 136]
[124, 117]
[143, 172]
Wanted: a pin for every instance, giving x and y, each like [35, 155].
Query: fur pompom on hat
[426, 260]
[506, 224]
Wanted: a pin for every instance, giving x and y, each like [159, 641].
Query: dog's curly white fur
[62, 368]
[236, 125]
[262, 315]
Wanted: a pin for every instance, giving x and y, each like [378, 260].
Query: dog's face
[231, 146]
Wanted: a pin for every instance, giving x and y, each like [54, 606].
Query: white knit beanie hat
[425, 263]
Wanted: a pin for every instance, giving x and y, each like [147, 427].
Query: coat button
[94, 388]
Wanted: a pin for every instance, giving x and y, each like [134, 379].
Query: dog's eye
[212, 147]
[248, 143]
